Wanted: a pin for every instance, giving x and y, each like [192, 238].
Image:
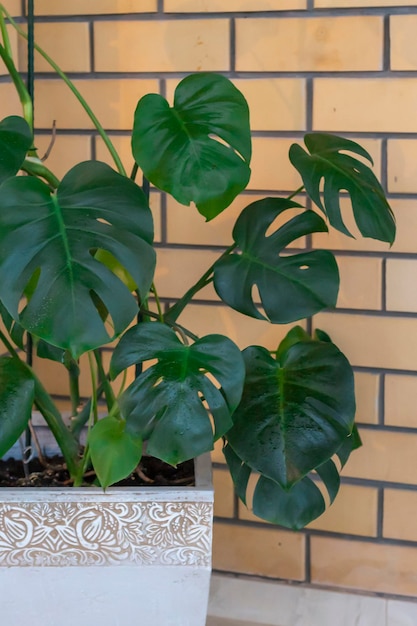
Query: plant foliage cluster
[77, 266]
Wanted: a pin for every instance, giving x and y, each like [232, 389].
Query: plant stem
[295, 193]
[9, 346]
[68, 444]
[104, 381]
[74, 375]
[93, 411]
[175, 311]
[23, 93]
[5, 36]
[35, 167]
[77, 94]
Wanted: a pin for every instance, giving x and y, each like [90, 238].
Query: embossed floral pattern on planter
[105, 533]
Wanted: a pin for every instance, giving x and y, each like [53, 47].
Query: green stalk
[94, 410]
[9, 346]
[104, 381]
[5, 36]
[35, 167]
[23, 93]
[295, 193]
[74, 385]
[175, 311]
[77, 94]
[158, 303]
[68, 444]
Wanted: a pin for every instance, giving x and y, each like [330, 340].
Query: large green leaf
[56, 237]
[15, 141]
[170, 403]
[114, 452]
[296, 410]
[178, 147]
[340, 171]
[291, 286]
[17, 391]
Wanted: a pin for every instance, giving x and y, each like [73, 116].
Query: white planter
[126, 557]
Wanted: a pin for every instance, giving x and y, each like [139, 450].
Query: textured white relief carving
[105, 533]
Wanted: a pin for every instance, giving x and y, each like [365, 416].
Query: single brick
[333, 4]
[223, 493]
[57, 39]
[364, 565]
[205, 6]
[367, 397]
[400, 526]
[309, 44]
[401, 274]
[400, 406]
[178, 269]
[14, 7]
[179, 46]
[271, 168]
[402, 165]
[360, 283]
[264, 551]
[94, 7]
[403, 42]
[365, 104]
[385, 455]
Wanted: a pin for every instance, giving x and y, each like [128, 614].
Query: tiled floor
[221, 621]
[246, 602]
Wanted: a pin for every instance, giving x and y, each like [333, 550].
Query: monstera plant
[77, 266]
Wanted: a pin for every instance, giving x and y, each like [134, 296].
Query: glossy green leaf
[115, 453]
[328, 161]
[296, 411]
[198, 150]
[294, 507]
[240, 472]
[17, 391]
[15, 141]
[57, 236]
[353, 442]
[291, 286]
[171, 402]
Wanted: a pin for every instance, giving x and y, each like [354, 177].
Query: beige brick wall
[348, 66]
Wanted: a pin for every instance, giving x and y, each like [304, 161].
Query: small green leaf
[296, 411]
[328, 160]
[291, 286]
[199, 150]
[114, 452]
[170, 404]
[15, 141]
[17, 392]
